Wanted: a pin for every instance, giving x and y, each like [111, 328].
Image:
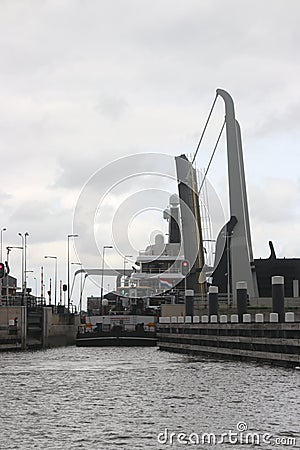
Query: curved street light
[68, 268]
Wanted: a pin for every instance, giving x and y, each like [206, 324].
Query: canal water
[141, 398]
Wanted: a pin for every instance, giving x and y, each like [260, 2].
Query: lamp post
[101, 295]
[68, 281]
[9, 248]
[81, 286]
[24, 260]
[22, 237]
[81, 278]
[55, 278]
[27, 271]
[35, 280]
[125, 262]
[3, 229]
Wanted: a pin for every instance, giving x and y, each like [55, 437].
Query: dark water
[97, 398]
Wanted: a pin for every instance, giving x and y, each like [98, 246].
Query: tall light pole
[3, 229]
[125, 262]
[69, 297]
[24, 260]
[7, 259]
[35, 279]
[81, 278]
[101, 295]
[55, 278]
[23, 273]
[26, 276]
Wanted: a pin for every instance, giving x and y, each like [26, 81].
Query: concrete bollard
[180, 319]
[188, 319]
[234, 318]
[213, 318]
[204, 319]
[223, 318]
[246, 318]
[196, 319]
[259, 318]
[290, 317]
[189, 302]
[165, 319]
[213, 300]
[174, 319]
[241, 298]
[273, 317]
[278, 296]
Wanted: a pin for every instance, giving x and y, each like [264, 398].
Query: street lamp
[69, 297]
[24, 259]
[22, 237]
[9, 248]
[101, 296]
[35, 279]
[125, 262]
[81, 282]
[3, 229]
[26, 276]
[55, 277]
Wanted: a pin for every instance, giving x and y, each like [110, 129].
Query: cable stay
[205, 126]
[212, 156]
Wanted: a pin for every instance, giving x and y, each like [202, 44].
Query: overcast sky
[85, 82]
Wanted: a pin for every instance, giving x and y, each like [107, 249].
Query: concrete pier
[252, 339]
[23, 328]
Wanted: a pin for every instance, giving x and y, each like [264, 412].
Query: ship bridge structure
[234, 255]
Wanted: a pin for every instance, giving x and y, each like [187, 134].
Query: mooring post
[213, 300]
[241, 298]
[189, 302]
[278, 296]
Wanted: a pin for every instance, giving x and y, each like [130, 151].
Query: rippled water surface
[97, 398]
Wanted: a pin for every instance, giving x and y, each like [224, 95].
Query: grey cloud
[108, 171]
[85, 82]
[275, 202]
[45, 222]
[112, 106]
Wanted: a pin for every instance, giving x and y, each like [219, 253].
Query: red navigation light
[185, 267]
[2, 271]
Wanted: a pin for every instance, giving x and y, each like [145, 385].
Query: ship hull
[124, 339]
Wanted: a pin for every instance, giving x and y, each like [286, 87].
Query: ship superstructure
[160, 264]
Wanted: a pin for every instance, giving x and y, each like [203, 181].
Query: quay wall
[271, 342]
[13, 327]
[59, 329]
[23, 328]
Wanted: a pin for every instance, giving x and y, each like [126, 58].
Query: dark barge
[117, 337]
